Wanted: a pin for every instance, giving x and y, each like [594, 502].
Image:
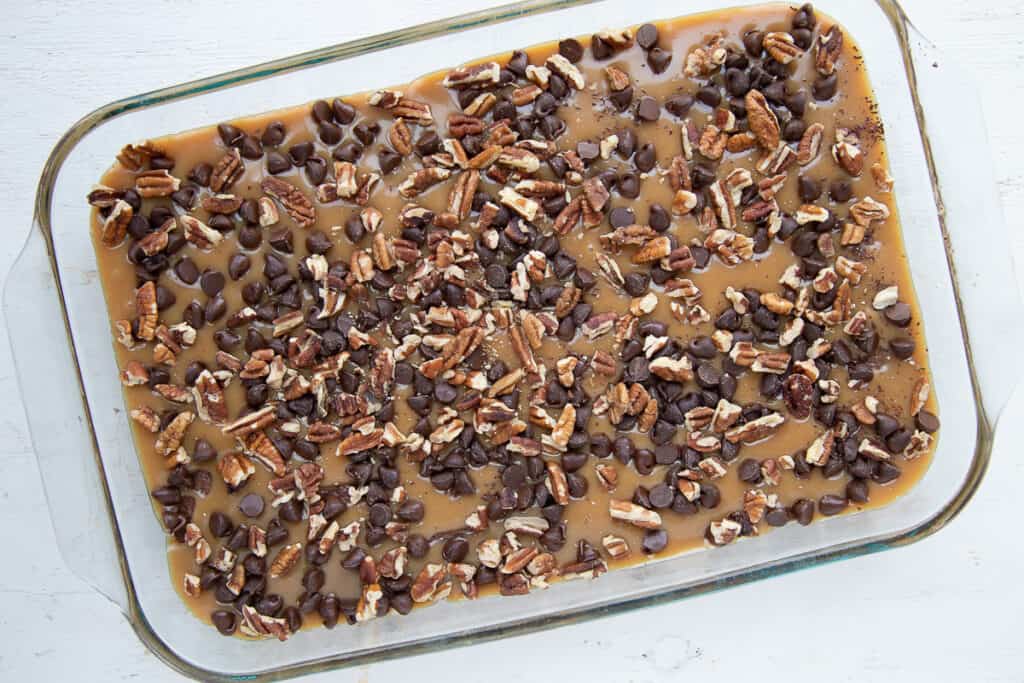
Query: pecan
[485, 74]
[146, 417]
[199, 233]
[259, 446]
[115, 227]
[158, 183]
[569, 216]
[383, 255]
[680, 260]
[683, 202]
[634, 514]
[134, 374]
[847, 153]
[234, 469]
[776, 161]
[712, 141]
[226, 171]
[420, 181]
[294, 202]
[460, 198]
[520, 159]
[820, 449]
[617, 78]
[209, 399]
[761, 120]
[755, 430]
[604, 364]
[595, 193]
[868, 211]
[285, 560]
[134, 157]
[517, 560]
[524, 206]
[810, 144]
[653, 250]
[146, 310]
[798, 392]
[829, 47]
[919, 395]
[724, 531]
[781, 46]
[741, 142]
[567, 70]
[607, 475]
[413, 110]
[705, 60]
[427, 586]
[883, 181]
[885, 297]
[169, 440]
[672, 370]
[461, 125]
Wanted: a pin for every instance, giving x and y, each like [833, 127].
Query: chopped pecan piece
[292, 200]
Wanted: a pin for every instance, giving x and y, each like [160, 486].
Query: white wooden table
[948, 608]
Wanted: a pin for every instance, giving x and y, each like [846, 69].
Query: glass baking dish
[104, 523]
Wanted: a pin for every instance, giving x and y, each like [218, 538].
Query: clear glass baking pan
[108, 534]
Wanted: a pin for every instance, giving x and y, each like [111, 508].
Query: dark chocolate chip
[251, 505]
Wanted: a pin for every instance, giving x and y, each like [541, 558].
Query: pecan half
[762, 121]
[292, 200]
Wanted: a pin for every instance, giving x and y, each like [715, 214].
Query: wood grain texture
[947, 608]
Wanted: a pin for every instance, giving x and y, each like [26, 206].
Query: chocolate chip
[349, 151]
[300, 153]
[659, 60]
[225, 622]
[571, 49]
[802, 511]
[655, 540]
[857, 491]
[645, 158]
[231, 135]
[316, 170]
[793, 131]
[808, 188]
[251, 505]
[647, 36]
[250, 237]
[388, 160]
[660, 496]
[753, 42]
[238, 266]
[273, 134]
[825, 87]
[840, 190]
[898, 314]
[329, 133]
[927, 422]
[277, 163]
[629, 185]
[321, 111]
[215, 309]
[831, 504]
[709, 95]
[344, 113]
[648, 109]
[220, 525]
[750, 471]
[600, 49]
[251, 147]
[455, 549]
[318, 243]
[777, 516]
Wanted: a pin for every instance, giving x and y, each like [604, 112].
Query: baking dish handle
[62, 439]
[978, 242]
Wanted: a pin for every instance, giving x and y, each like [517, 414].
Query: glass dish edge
[41, 222]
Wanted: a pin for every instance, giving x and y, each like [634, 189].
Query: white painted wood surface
[948, 608]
